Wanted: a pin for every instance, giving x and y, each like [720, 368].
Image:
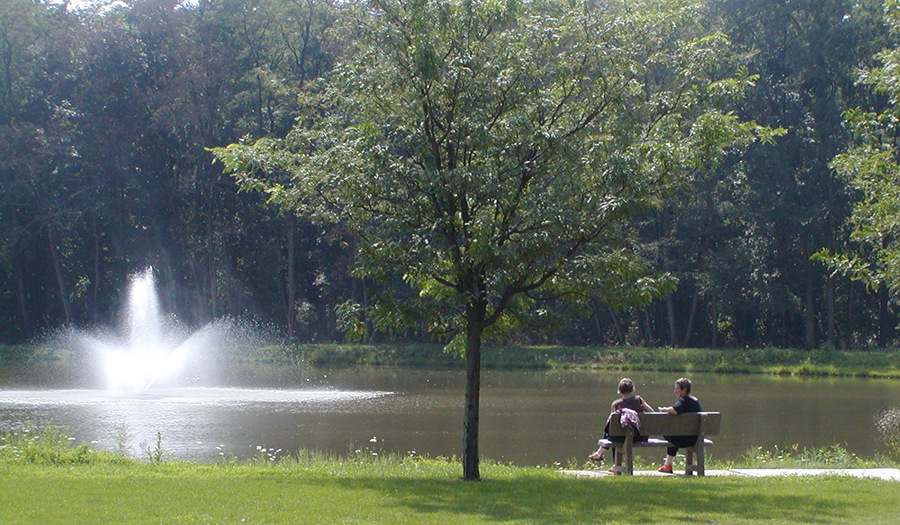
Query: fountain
[150, 348]
[154, 376]
[148, 353]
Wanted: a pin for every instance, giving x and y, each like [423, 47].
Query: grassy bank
[417, 491]
[46, 479]
[421, 493]
[872, 363]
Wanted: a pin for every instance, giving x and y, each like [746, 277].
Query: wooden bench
[658, 424]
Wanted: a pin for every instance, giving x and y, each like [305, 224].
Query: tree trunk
[291, 279]
[60, 280]
[829, 305]
[21, 294]
[212, 237]
[810, 338]
[648, 329]
[96, 292]
[670, 310]
[884, 317]
[473, 392]
[848, 327]
[691, 317]
[211, 269]
[715, 321]
[620, 338]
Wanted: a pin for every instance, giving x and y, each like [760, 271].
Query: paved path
[892, 474]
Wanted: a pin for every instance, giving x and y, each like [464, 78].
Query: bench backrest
[662, 423]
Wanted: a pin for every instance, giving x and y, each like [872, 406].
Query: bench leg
[700, 467]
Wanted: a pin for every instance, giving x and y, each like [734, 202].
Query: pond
[527, 418]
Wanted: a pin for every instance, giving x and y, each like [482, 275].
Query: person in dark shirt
[627, 399]
[686, 403]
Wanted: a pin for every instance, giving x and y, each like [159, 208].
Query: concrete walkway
[890, 474]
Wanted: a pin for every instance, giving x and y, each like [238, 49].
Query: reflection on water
[168, 398]
[527, 418]
[195, 423]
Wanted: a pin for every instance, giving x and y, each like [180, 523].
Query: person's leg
[598, 455]
[676, 442]
[670, 459]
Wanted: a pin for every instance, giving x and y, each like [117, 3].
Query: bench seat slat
[652, 442]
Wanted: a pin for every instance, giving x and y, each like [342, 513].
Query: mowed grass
[418, 491]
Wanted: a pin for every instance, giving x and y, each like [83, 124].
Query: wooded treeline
[106, 114]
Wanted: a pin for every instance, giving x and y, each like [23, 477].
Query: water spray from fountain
[153, 348]
[151, 352]
[162, 377]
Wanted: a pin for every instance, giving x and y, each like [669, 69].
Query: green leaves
[491, 152]
[872, 167]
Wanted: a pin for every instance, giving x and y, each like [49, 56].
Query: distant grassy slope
[873, 363]
[882, 363]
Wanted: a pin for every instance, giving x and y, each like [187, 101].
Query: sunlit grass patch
[417, 491]
[67, 483]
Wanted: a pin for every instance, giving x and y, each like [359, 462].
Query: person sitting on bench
[627, 399]
[686, 403]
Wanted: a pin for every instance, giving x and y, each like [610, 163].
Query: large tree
[490, 154]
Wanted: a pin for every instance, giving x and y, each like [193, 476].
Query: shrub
[888, 425]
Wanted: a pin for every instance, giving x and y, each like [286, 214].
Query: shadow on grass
[548, 501]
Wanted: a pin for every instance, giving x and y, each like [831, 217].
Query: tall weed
[44, 446]
[48, 446]
[834, 456]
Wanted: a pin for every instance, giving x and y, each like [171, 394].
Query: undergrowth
[832, 457]
[50, 446]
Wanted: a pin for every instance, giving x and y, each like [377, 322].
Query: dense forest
[108, 111]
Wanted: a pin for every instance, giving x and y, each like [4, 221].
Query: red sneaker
[666, 469]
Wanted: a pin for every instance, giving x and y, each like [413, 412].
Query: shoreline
[874, 364]
[870, 364]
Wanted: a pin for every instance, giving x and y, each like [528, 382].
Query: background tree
[490, 154]
[872, 167]
[741, 243]
[40, 199]
[105, 113]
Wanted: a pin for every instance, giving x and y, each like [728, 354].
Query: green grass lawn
[417, 491]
